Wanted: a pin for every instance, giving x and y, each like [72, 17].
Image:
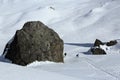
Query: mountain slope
[79, 23]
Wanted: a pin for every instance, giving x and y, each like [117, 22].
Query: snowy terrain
[79, 23]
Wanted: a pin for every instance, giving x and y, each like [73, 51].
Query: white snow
[79, 23]
[14, 72]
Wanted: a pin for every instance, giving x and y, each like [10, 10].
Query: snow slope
[14, 72]
[86, 19]
[79, 23]
[85, 67]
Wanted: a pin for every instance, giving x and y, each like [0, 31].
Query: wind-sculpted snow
[79, 18]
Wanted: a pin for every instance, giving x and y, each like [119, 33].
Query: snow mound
[38, 63]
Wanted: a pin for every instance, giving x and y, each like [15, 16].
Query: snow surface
[79, 23]
[14, 72]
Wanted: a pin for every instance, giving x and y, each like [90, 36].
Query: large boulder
[35, 41]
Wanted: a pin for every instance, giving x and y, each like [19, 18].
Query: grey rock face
[35, 41]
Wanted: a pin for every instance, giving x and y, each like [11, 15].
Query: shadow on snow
[81, 44]
[2, 59]
[89, 45]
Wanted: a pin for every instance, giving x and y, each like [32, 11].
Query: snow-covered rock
[103, 47]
